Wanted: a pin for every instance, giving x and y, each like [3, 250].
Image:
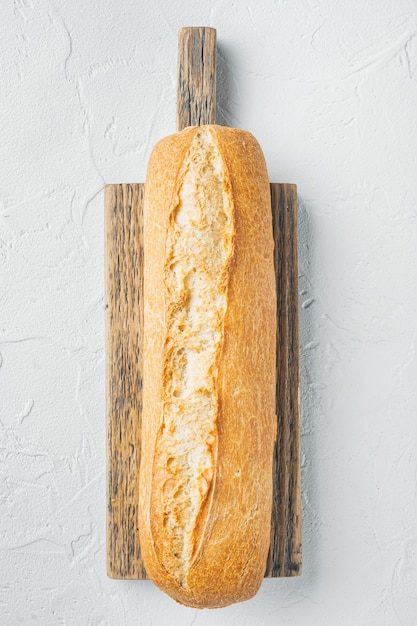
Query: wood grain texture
[124, 276]
[196, 84]
[123, 306]
[284, 557]
[196, 105]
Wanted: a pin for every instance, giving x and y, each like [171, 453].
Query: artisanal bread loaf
[208, 425]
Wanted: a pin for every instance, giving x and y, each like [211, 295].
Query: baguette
[208, 425]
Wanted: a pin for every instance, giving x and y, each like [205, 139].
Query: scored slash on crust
[198, 252]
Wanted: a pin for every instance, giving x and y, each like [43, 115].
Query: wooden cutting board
[196, 105]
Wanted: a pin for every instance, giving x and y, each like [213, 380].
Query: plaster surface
[329, 88]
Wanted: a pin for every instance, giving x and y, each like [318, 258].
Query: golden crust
[234, 527]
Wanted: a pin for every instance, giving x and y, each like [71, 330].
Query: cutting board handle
[196, 84]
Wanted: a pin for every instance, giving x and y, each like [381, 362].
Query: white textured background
[329, 87]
